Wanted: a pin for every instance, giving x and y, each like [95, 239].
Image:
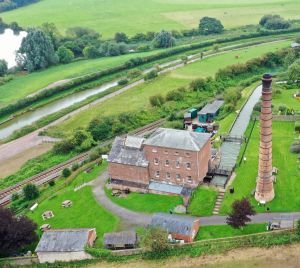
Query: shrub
[90, 52]
[66, 172]
[297, 126]
[156, 240]
[63, 147]
[3, 67]
[30, 192]
[134, 73]
[164, 39]
[298, 227]
[65, 55]
[75, 166]
[123, 82]
[15, 196]
[209, 25]
[157, 100]
[175, 95]
[295, 147]
[151, 75]
[198, 84]
[51, 183]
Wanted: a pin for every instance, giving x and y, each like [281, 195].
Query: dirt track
[276, 257]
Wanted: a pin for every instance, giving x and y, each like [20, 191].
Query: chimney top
[266, 81]
[267, 77]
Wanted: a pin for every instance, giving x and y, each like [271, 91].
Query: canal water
[9, 44]
[28, 118]
[230, 150]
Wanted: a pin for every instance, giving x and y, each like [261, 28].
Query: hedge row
[134, 62]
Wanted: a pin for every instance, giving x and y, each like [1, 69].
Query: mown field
[132, 16]
[85, 211]
[287, 98]
[287, 187]
[138, 97]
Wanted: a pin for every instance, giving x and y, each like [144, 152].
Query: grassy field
[202, 202]
[138, 97]
[24, 85]
[147, 203]
[220, 231]
[287, 187]
[132, 16]
[85, 211]
[286, 98]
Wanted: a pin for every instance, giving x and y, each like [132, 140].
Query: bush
[198, 84]
[157, 100]
[3, 67]
[123, 82]
[298, 227]
[151, 75]
[156, 240]
[65, 55]
[90, 52]
[63, 147]
[164, 39]
[209, 25]
[51, 183]
[297, 126]
[15, 196]
[30, 192]
[75, 166]
[134, 73]
[274, 22]
[175, 95]
[66, 172]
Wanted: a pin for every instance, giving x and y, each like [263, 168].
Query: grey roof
[173, 223]
[121, 238]
[134, 142]
[63, 240]
[178, 139]
[163, 187]
[212, 108]
[122, 154]
[295, 45]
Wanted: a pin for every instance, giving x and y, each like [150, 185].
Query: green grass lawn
[286, 98]
[147, 203]
[138, 97]
[202, 202]
[287, 187]
[24, 85]
[85, 211]
[220, 231]
[132, 16]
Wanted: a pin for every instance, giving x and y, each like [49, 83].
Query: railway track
[54, 172]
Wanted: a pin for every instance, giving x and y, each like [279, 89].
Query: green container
[193, 112]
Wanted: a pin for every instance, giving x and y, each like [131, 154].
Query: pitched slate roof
[122, 154]
[212, 108]
[173, 223]
[120, 238]
[134, 142]
[63, 240]
[178, 139]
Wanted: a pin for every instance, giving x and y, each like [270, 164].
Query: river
[9, 44]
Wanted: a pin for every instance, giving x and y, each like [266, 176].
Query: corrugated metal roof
[174, 223]
[122, 154]
[120, 238]
[63, 240]
[167, 188]
[178, 139]
[212, 108]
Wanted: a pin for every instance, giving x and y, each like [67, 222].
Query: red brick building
[168, 158]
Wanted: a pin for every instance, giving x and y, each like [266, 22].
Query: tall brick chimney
[264, 184]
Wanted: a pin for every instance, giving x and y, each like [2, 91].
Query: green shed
[193, 112]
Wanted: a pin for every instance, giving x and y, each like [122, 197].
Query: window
[189, 179]
[167, 163]
[165, 152]
[157, 174]
[176, 153]
[168, 175]
[155, 161]
[178, 177]
[154, 150]
[177, 164]
[187, 154]
[188, 165]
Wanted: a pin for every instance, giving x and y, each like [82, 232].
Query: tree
[163, 39]
[90, 52]
[66, 172]
[175, 95]
[37, 51]
[156, 240]
[65, 55]
[152, 74]
[30, 192]
[121, 37]
[274, 22]
[294, 72]
[209, 25]
[3, 67]
[241, 210]
[51, 30]
[157, 100]
[15, 232]
[198, 84]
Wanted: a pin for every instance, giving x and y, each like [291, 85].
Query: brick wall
[128, 173]
[180, 167]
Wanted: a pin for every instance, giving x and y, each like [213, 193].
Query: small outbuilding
[208, 113]
[66, 203]
[179, 227]
[47, 215]
[120, 240]
[65, 244]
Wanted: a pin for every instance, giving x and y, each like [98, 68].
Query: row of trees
[274, 22]
[13, 4]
